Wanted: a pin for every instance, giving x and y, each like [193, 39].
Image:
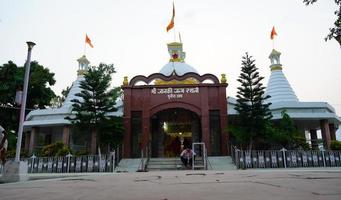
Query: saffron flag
[273, 33]
[87, 40]
[171, 23]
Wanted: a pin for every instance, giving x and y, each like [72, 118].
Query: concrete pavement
[237, 184]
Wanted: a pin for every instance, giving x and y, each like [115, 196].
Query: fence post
[113, 157]
[236, 158]
[68, 161]
[205, 157]
[33, 157]
[142, 161]
[323, 157]
[284, 157]
[117, 155]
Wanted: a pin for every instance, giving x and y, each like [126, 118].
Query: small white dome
[180, 68]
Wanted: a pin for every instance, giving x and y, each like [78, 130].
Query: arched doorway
[172, 129]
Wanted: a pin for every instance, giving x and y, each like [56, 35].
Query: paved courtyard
[248, 184]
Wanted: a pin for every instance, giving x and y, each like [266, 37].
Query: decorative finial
[176, 52]
[83, 65]
[275, 60]
[223, 78]
[125, 80]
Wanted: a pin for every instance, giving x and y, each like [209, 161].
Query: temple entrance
[172, 130]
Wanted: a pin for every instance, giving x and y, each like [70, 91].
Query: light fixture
[30, 44]
[23, 101]
[165, 126]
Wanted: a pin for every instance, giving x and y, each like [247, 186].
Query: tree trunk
[93, 142]
[251, 144]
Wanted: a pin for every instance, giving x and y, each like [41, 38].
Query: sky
[132, 35]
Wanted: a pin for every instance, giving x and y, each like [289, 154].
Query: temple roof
[180, 68]
[177, 61]
[56, 116]
[283, 97]
[278, 86]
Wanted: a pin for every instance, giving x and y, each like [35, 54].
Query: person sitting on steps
[3, 145]
[186, 157]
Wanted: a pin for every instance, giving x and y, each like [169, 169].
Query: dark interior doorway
[172, 130]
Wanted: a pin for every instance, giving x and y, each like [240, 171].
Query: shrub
[63, 151]
[55, 149]
[11, 153]
[335, 145]
[81, 153]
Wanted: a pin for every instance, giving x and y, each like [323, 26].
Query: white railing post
[142, 160]
[284, 157]
[33, 157]
[113, 157]
[235, 158]
[68, 161]
[323, 157]
[205, 158]
[193, 161]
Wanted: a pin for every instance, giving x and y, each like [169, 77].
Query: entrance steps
[220, 163]
[162, 164]
[128, 165]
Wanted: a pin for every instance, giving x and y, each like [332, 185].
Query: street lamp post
[23, 103]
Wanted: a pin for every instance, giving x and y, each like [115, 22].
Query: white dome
[180, 68]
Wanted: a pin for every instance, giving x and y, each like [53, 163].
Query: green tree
[116, 93]
[39, 92]
[335, 145]
[65, 92]
[334, 32]
[286, 135]
[58, 100]
[55, 149]
[94, 111]
[254, 113]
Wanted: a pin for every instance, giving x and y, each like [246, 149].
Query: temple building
[45, 126]
[177, 107]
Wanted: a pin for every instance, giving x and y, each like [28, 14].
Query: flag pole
[273, 43]
[174, 33]
[84, 48]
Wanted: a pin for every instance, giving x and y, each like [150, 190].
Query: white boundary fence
[72, 164]
[283, 158]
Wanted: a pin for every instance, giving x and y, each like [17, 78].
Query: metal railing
[145, 157]
[244, 159]
[200, 161]
[73, 164]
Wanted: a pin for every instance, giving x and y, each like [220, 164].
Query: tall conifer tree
[92, 113]
[254, 114]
